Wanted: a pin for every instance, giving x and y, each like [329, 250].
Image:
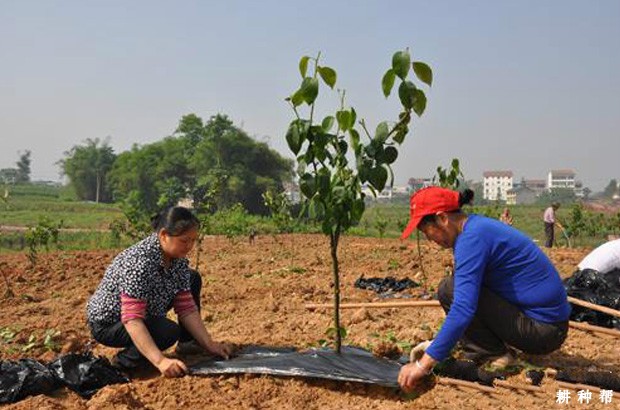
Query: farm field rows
[255, 294]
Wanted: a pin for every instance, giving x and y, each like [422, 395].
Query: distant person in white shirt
[550, 222]
[604, 259]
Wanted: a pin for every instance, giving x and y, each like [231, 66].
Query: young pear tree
[335, 161]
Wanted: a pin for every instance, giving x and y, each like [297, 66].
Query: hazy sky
[522, 85]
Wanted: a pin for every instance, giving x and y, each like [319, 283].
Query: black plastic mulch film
[85, 374]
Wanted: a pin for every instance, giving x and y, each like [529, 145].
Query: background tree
[216, 158]
[331, 185]
[561, 195]
[23, 168]
[611, 189]
[87, 167]
[237, 167]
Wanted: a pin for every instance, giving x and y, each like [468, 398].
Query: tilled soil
[255, 294]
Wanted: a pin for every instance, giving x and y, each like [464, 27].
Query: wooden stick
[506, 385]
[394, 304]
[435, 303]
[596, 329]
[579, 386]
[463, 383]
[593, 306]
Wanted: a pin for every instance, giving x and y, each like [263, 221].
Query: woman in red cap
[504, 293]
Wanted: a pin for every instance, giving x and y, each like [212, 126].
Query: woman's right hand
[172, 367]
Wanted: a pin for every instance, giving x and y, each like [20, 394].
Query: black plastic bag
[24, 378]
[383, 285]
[603, 379]
[598, 288]
[85, 373]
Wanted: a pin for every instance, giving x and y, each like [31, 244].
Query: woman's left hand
[409, 376]
[221, 349]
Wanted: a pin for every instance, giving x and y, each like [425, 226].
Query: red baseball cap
[429, 201]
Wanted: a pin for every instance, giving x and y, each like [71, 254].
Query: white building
[561, 178]
[496, 185]
[291, 190]
[387, 193]
[415, 184]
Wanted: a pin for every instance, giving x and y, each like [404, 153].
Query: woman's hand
[220, 349]
[409, 376]
[172, 367]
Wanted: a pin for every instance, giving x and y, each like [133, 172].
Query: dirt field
[254, 294]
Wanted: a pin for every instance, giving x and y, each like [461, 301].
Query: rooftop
[498, 174]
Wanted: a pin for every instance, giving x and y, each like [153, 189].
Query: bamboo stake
[579, 386]
[593, 306]
[435, 303]
[463, 383]
[506, 385]
[395, 304]
[596, 329]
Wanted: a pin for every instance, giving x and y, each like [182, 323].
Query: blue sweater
[492, 254]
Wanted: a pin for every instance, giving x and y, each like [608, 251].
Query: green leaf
[423, 72]
[353, 117]
[364, 171]
[293, 138]
[407, 94]
[389, 155]
[400, 135]
[303, 66]
[324, 184]
[419, 104]
[401, 61]
[343, 147]
[328, 75]
[378, 177]
[344, 120]
[388, 82]
[357, 210]
[371, 150]
[307, 185]
[309, 89]
[297, 99]
[328, 123]
[382, 132]
[354, 136]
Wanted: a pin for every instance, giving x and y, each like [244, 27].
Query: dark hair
[465, 198]
[175, 220]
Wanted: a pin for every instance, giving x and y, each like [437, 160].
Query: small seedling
[393, 264]
[30, 344]
[41, 236]
[7, 334]
[49, 341]
[330, 183]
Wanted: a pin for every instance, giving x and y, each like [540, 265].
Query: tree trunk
[98, 187]
[334, 253]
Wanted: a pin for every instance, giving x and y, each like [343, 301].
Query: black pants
[549, 234]
[164, 332]
[498, 324]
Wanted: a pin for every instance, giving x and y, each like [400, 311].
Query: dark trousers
[498, 324]
[549, 234]
[164, 332]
